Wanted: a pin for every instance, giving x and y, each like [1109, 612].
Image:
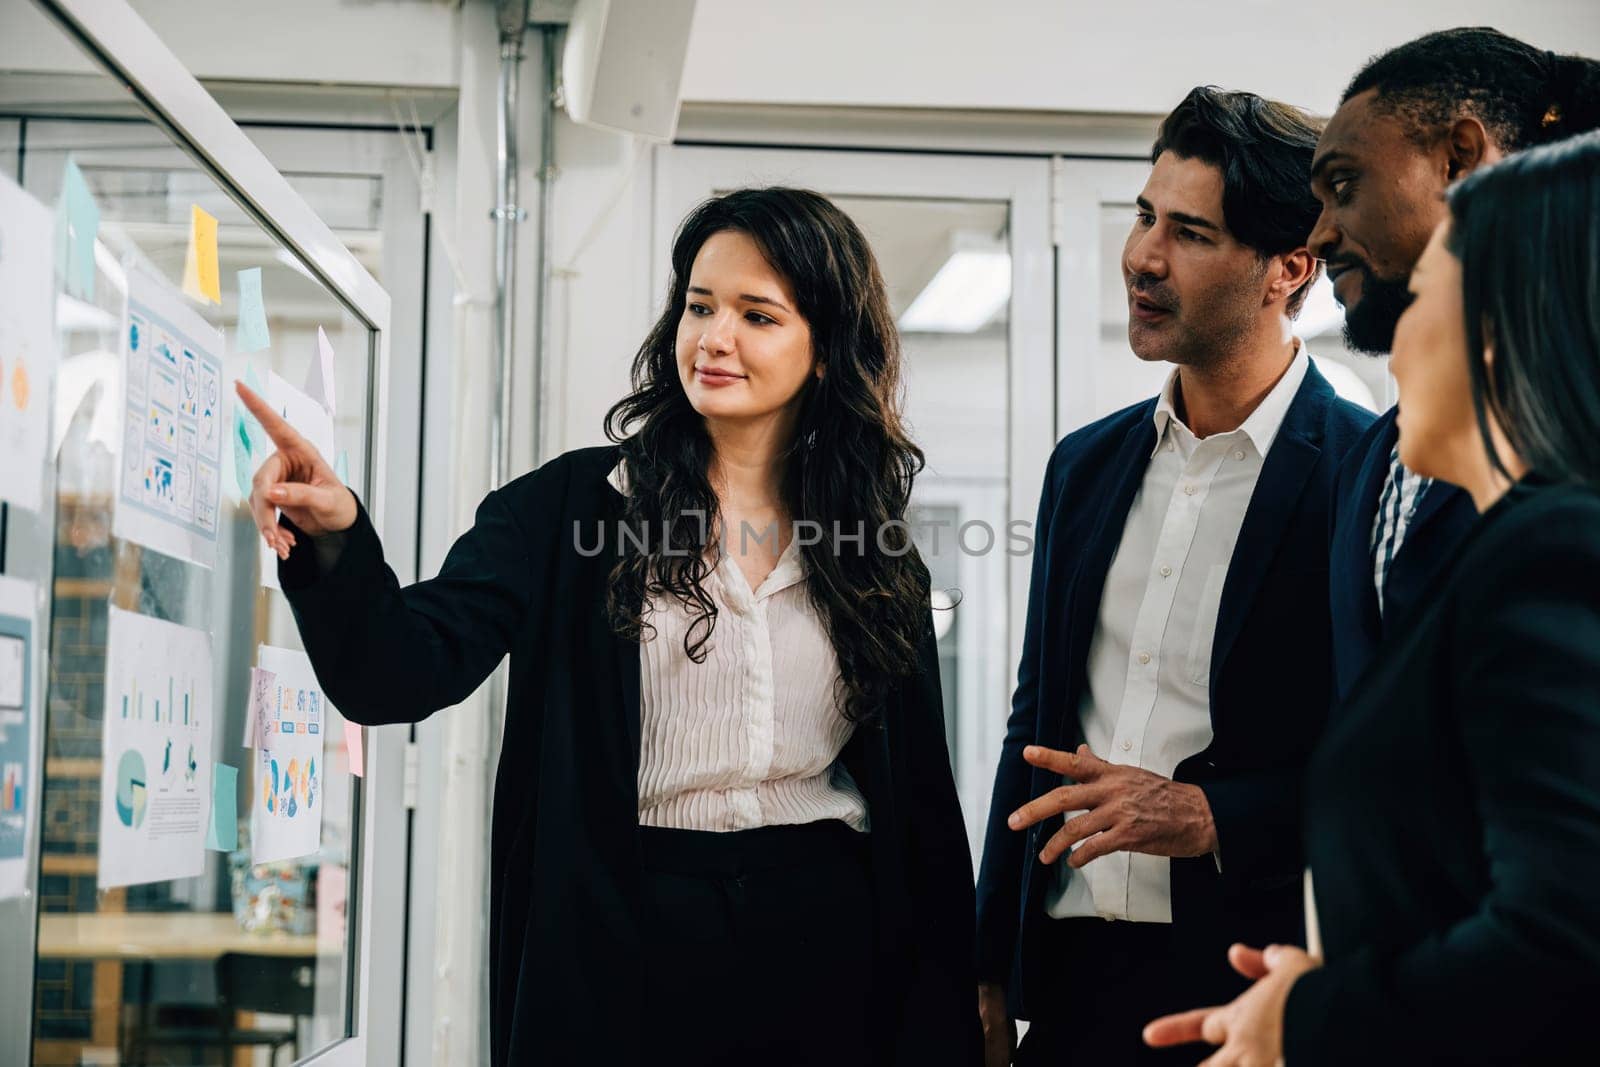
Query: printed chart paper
[313, 422]
[155, 780]
[20, 699]
[27, 344]
[287, 800]
[172, 425]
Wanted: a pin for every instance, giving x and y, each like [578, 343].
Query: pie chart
[130, 799]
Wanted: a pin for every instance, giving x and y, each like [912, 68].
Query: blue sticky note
[77, 225]
[341, 467]
[251, 335]
[224, 833]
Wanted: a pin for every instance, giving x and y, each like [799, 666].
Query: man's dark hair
[1264, 150]
[1523, 95]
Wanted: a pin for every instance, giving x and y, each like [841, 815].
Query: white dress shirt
[750, 737]
[1148, 703]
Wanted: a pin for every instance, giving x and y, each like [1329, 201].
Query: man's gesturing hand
[1125, 809]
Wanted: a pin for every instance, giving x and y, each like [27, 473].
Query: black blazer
[1270, 685]
[1444, 515]
[1453, 818]
[565, 901]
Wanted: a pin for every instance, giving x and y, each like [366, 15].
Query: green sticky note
[224, 833]
[77, 225]
[341, 467]
[252, 334]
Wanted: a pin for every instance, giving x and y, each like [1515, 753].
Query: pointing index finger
[283, 435]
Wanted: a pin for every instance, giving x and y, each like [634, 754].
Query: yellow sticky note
[201, 278]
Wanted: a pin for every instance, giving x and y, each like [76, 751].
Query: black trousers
[760, 946]
[1107, 980]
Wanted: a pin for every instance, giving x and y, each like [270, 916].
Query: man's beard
[1369, 326]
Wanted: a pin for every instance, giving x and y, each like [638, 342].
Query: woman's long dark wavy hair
[849, 469]
[1527, 233]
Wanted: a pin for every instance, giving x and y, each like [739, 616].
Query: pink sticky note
[255, 715]
[352, 743]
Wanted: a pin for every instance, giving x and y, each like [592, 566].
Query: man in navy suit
[1411, 122]
[1175, 669]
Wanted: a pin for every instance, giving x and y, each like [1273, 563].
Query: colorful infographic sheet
[172, 425]
[287, 799]
[19, 697]
[155, 780]
[27, 343]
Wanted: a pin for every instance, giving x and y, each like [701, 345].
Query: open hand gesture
[1124, 809]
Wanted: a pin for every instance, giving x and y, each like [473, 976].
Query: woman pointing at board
[725, 824]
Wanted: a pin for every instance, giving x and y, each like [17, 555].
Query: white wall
[1031, 55]
[1072, 55]
[354, 42]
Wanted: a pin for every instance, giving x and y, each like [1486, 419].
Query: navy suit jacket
[1270, 686]
[1443, 516]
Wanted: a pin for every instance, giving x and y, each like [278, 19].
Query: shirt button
[1127, 746]
[1238, 455]
[1166, 572]
[1188, 490]
[1144, 657]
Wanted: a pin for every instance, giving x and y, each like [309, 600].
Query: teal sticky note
[341, 467]
[77, 225]
[224, 833]
[251, 335]
[247, 434]
[243, 460]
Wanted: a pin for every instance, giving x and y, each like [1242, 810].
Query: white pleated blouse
[752, 736]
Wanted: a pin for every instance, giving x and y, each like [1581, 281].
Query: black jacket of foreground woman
[566, 964]
[1453, 823]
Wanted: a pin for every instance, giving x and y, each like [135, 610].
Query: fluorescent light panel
[964, 296]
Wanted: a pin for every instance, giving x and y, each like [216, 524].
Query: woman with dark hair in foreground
[1453, 821]
[725, 829]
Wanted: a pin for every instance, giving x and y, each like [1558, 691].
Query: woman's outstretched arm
[384, 653]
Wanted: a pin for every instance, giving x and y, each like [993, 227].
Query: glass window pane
[154, 972]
